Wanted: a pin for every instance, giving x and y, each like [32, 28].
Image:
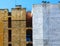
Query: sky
[25, 3]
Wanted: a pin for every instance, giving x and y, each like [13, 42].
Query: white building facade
[46, 24]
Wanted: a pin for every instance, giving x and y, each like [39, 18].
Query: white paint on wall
[46, 25]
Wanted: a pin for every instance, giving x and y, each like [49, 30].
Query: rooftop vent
[44, 1]
[18, 6]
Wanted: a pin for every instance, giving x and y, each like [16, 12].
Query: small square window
[9, 45]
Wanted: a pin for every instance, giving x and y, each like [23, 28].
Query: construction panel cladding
[46, 23]
[37, 25]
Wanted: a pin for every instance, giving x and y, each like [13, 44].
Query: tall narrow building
[13, 27]
[18, 26]
[3, 26]
[46, 24]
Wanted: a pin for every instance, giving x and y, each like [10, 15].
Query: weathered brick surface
[18, 28]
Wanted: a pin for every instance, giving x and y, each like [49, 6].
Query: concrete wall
[46, 19]
[37, 25]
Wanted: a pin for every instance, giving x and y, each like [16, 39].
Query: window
[9, 22]
[29, 35]
[9, 14]
[9, 35]
[9, 45]
[28, 23]
[28, 19]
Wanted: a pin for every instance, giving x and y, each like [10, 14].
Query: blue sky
[25, 3]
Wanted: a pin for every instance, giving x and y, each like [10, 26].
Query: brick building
[13, 28]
